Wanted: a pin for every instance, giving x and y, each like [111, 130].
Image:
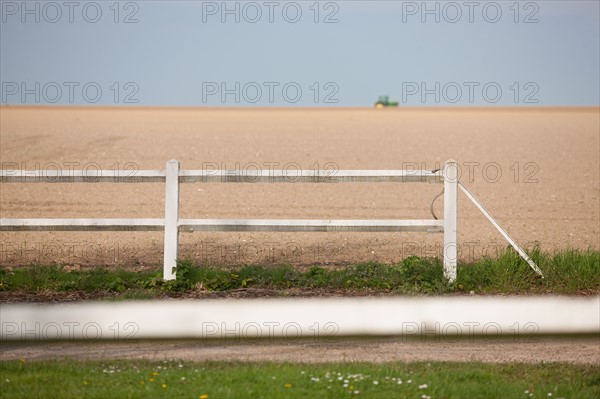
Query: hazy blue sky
[302, 53]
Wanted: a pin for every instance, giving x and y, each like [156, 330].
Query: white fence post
[171, 219]
[450, 219]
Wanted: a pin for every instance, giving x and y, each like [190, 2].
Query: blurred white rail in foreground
[256, 319]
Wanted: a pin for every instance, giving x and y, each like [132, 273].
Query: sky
[300, 53]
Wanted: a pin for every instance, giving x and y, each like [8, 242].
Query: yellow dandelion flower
[203, 396]
[22, 360]
[164, 386]
[85, 383]
[288, 385]
[154, 373]
[151, 379]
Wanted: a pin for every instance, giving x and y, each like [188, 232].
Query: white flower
[375, 382]
[423, 386]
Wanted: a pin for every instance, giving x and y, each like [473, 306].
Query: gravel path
[581, 350]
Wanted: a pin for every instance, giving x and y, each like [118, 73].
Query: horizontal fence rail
[82, 176]
[82, 225]
[222, 176]
[310, 176]
[298, 226]
[422, 318]
[190, 225]
[172, 176]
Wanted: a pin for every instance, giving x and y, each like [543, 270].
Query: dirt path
[581, 350]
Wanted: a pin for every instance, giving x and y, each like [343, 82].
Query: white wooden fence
[172, 224]
[519, 317]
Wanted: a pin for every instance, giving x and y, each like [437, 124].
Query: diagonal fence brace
[512, 242]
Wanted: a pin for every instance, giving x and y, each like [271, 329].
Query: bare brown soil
[536, 170]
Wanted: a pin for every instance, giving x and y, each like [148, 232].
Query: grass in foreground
[567, 272]
[207, 380]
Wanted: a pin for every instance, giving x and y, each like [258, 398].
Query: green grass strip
[208, 380]
[570, 272]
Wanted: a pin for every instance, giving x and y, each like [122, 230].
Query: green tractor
[384, 101]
